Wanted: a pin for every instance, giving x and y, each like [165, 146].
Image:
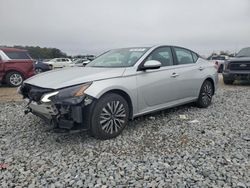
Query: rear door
[67, 62]
[190, 73]
[19, 61]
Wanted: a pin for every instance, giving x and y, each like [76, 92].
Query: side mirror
[151, 64]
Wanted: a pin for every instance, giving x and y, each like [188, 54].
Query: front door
[156, 88]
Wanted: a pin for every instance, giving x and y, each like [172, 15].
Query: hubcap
[112, 117]
[207, 94]
[16, 79]
[38, 71]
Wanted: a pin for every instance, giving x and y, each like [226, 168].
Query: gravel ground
[159, 150]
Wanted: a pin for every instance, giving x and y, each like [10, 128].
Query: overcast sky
[91, 26]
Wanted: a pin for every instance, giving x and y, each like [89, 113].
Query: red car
[15, 66]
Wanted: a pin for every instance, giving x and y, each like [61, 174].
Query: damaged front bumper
[65, 113]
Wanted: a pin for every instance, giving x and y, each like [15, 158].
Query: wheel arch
[212, 81]
[125, 95]
[11, 70]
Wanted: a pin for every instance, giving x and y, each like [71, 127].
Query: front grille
[34, 93]
[240, 65]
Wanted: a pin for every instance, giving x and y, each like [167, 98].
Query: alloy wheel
[207, 94]
[38, 70]
[16, 79]
[112, 117]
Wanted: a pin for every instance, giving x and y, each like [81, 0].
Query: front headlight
[71, 94]
[226, 65]
[46, 97]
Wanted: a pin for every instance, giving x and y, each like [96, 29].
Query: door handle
[201, 68]
[174, 75]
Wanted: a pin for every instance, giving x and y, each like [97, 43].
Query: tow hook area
[64, 115]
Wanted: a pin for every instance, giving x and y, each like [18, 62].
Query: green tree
[37, 52]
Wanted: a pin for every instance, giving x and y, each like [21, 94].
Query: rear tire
[38, 70]
[206, 94]
[14, 79]
[110, 116]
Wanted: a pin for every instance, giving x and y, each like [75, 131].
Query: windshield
[218, 58]
[53, 60]
[245, 52]
[125, 57]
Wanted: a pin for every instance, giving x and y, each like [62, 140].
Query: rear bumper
[232, 75]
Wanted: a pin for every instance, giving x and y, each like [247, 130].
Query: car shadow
[133, 125]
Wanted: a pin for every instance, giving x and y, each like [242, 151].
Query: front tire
[110, 116]
[206, 94]
[14, 79]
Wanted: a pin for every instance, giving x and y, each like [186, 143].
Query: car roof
[12, 50]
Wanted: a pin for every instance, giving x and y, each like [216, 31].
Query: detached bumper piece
[60, 116]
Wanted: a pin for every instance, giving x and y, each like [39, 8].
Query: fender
[98, 88]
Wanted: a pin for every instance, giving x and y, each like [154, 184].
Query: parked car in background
[60, 62]
[219, 61]
[40, 67]
[81, 62]
[120, 85]
[90, 57]
[237, 68]
[15, 66]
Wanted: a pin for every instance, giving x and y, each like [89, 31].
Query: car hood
[239, 59]
[65, 77]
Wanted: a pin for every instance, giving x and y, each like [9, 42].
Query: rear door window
[184, 56]
[195, 56]
[18, 55]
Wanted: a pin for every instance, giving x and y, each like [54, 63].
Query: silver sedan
[120, 85]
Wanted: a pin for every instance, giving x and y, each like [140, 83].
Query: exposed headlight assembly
[73, 95]
[45, 98]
